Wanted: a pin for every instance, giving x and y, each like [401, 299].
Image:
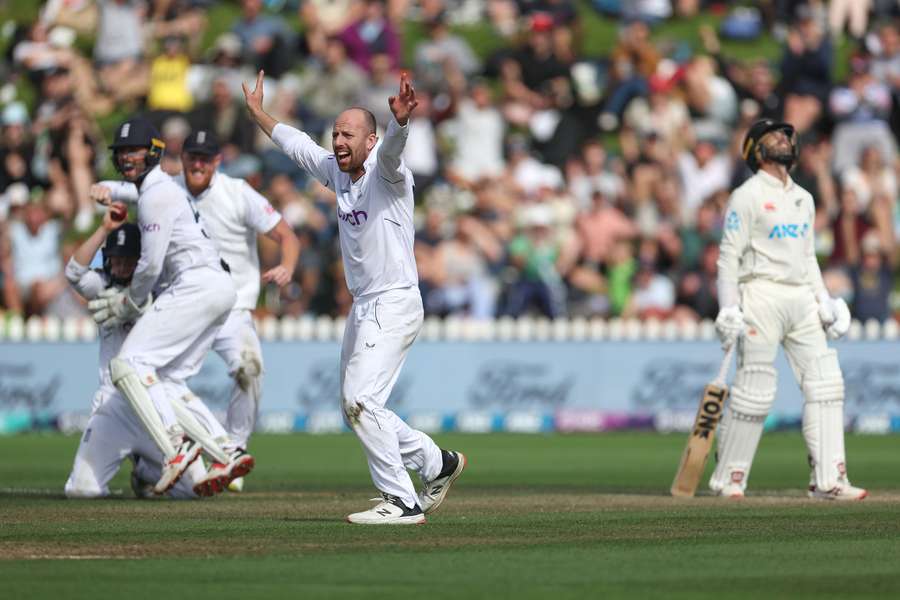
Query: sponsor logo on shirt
[269, 209]
[149, 227]
[355, 218]
[732, 221]
[789, 230]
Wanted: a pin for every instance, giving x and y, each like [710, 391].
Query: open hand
[405, 101]
[277, 275]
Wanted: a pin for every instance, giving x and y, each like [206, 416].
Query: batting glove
[114, 306]
[841, 323]
[730, 325]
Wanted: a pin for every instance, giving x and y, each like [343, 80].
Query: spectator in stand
[704, 171]
[421, 152]
[871, 178]
[632, 62]
[432, 55]
[697, 291]
[601, 228]
[16, 147]
[227, 117]
[119, 48]
[168, 89]
[873, 281]
[382, 84]
[477, 131]
[37, 266]
[372, 34]
[862, 109]
[267, 42]
[327, 86]
[806, 71]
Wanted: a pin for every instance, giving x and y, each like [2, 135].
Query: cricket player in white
[114, 431]
[233, 213]
[771, 292]
[169, 339]
[375, 209]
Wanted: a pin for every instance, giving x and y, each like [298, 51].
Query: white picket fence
[452, 329]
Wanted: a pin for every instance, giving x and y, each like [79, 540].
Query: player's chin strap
[126, 379]
[823, 419]
[752, 396]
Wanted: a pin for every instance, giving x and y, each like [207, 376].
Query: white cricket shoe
[236, 485]
[434, 491]
[175, 467]
[389, 511]
[842, 492]
[220, 476]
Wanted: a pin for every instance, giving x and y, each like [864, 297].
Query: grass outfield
[533, 516]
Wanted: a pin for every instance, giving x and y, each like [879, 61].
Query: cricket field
[533, 516]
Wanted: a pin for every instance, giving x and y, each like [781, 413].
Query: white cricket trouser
[778, 314]
[380, 329]
[238, 345]
[113, 433]
[171, 339]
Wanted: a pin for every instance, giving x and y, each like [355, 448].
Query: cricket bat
[693, 461]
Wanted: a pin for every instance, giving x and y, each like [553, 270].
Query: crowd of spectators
[549, 180]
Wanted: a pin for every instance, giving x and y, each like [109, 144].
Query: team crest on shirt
[770, 207]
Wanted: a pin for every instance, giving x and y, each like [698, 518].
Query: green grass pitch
[581, 516]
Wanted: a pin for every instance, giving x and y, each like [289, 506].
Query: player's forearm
[727, 280]
[121, 191]
[264, 120]
[290, 252]
[84, 254]
[394, 140]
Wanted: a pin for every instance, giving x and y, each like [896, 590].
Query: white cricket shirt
[375, 213]
[172, 235]
[768, 234]
[233, 213]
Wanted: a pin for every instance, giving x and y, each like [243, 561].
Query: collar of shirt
[773, 181]
[155, 175]
[206, 192]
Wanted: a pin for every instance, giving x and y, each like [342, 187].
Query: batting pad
[823, 419]
[127, 381]
[198, 433]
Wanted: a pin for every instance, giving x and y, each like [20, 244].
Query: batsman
[771, 292]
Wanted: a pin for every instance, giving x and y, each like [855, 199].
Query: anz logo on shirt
[355, 218]
[789, 230]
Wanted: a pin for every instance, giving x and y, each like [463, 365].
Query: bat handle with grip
[726, 364]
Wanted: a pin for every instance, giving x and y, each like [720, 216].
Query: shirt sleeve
[87, 282]
[156, 218]
[122, 191]
[813, 272]
[735, 240]
[389, 162]
[310, 156]
[259, 214]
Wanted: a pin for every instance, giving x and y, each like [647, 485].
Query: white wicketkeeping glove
[730, 325]
[113, 306]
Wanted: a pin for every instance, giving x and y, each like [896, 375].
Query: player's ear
[371, 140]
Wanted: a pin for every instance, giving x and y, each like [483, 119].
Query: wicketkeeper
[771, 292]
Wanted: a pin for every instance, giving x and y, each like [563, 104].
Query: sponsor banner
[471, 387]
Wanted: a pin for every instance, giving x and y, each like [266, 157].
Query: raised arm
[298, 145]
[85, 281]
[391, 149]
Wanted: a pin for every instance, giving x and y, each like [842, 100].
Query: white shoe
[236, 485]
[389, 511]
[843, 491]
[434, 492]
[220, 476]
[175, 467]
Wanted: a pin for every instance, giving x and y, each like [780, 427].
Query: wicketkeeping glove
[730, 325]
[113, 306]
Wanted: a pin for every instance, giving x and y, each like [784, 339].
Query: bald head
[367, 119]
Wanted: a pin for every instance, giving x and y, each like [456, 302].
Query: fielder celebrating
[113, 431]
[233, 213]
[771, 292]
[375, 209]
[169, 339]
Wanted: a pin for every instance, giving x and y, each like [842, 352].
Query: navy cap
[201, 141]
[137, 133]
